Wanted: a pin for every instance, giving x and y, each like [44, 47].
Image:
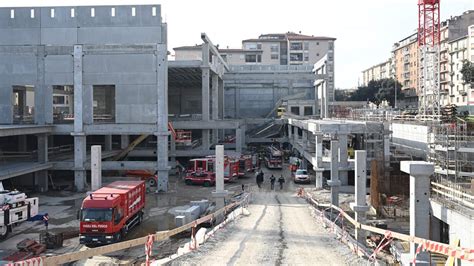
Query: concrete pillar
[238, 140]
[205, 139]
[220, 193]
[162, 134]
[215, 105]
[343, 159]
[304, 139]
[205, 82]
[108, 142]
[316, 102]
[78, 134]
[221, 98]
[420, 173]
[22, 143]
[41, 177]
[319, 158]
[334, 183]
[6, 103]
[96, 167]
[290, 132]
[124, 141]
[360, 205]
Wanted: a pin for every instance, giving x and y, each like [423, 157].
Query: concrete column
[96, 167]
[108, 142]
[360, 205]
[78, 134]
[334, 183]
[162, 133]
[205, 139]
[41, 177]
[220, 193]
[304, 138]
[22, 143]
[6, 103]
[205, 82]
[215, 105]
[221, 98]
[124, 141]
[40, 87]
[290, 132]
[343, 160]
[420, 173]
[238, 140]
[316, 102]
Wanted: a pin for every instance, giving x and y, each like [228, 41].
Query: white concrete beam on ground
[334, 183]
[96, 167]
[420, 173]
[360, 205]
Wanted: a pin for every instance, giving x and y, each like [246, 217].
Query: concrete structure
[220, 193]
[420, 173]
[377, 72]
[96, 167]
[121, 50]
[360, 206]
[334, 183]
[313, 144]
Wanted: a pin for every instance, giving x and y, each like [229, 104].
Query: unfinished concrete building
[98, 74]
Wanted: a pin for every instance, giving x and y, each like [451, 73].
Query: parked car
[301, 176]
[206, 179]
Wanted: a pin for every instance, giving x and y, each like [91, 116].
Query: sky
[365, 29]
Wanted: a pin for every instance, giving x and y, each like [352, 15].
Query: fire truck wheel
[151, 182]
[4, 232]
[188, 182]
[207, 184]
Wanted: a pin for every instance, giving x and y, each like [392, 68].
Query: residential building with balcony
[377, 72]
[405, 62]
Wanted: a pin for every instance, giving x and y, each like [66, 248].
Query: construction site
[112, 152]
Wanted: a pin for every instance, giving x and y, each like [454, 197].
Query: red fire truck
[273, 157]
[206, 165]
[110, 212]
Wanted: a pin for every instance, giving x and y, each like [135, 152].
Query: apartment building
[405, 62]
[460, 93]
[377, 72]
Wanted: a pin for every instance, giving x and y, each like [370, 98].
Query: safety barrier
[423, 244]
[146, 240]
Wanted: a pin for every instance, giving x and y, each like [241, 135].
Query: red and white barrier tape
[148, 248]
[38, 261]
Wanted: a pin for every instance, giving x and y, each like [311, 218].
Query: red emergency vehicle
[206, 165]
[109, 213]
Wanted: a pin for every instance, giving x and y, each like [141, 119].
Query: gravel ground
[279, 230]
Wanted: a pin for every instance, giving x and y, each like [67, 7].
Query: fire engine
[202, 171]
[15, 208]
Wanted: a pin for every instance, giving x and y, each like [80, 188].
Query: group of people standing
[260, 177]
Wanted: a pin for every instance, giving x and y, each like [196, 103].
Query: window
[52, 12]
[134, 12]
[306, 57]
[73, 13]
[250, 58]
[259, 46]
[274, 48]
[274, 56]
[250, 46]
[306, 45]
[112, 11]
[92, 12]
[12, 13]
[153, 11]
[59, 100]
[296, 46]
[296, 57]
[259, 58]
[32, 13]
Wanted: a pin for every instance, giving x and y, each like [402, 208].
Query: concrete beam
[109, 165]
[214, 50]
[19, 169]
[19, 130]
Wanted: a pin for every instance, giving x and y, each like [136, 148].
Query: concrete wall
[460, 225]
[131, 69]
[184, 100]
[412, 138]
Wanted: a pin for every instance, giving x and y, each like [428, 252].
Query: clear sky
[365, 29]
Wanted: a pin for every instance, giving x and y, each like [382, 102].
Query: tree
[378, 90]
[341, 95]
[467, 72]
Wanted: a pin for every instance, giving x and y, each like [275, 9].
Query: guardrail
[423, 244]
[453, 194]
[158, 236]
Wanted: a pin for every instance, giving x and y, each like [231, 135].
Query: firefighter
[281, 180]
[45, 220]
[272, 182]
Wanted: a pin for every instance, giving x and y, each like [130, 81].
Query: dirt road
[279, 230]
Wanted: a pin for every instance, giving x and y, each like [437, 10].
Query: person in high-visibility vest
[45, 220]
